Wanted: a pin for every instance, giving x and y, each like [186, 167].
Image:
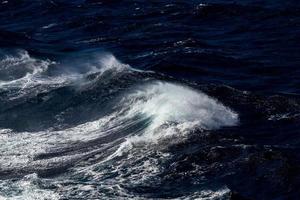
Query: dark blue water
[149, 99]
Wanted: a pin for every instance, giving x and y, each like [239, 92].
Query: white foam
[277, 117]
[222, 193]
[106, 62]
[109, 62]
[25, 189]
[49, 26]
[22, 63]
[25, 74]
[19, 149]
[167, 102]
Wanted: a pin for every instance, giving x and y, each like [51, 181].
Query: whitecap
[22, 74]
[174, 110]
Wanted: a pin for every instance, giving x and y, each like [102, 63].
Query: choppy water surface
[149, 99]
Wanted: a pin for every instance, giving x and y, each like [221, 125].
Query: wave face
[149, 100]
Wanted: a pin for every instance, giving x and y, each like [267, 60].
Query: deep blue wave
[149, 99]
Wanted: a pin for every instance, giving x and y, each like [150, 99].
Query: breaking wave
[22, 75]
[136, 120]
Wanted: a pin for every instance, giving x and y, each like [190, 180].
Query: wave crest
[173, 110]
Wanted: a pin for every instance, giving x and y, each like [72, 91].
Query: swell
[143, 112]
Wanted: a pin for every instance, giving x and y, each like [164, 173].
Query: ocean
[149, 99]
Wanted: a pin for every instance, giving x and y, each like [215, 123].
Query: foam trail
[18, 150]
